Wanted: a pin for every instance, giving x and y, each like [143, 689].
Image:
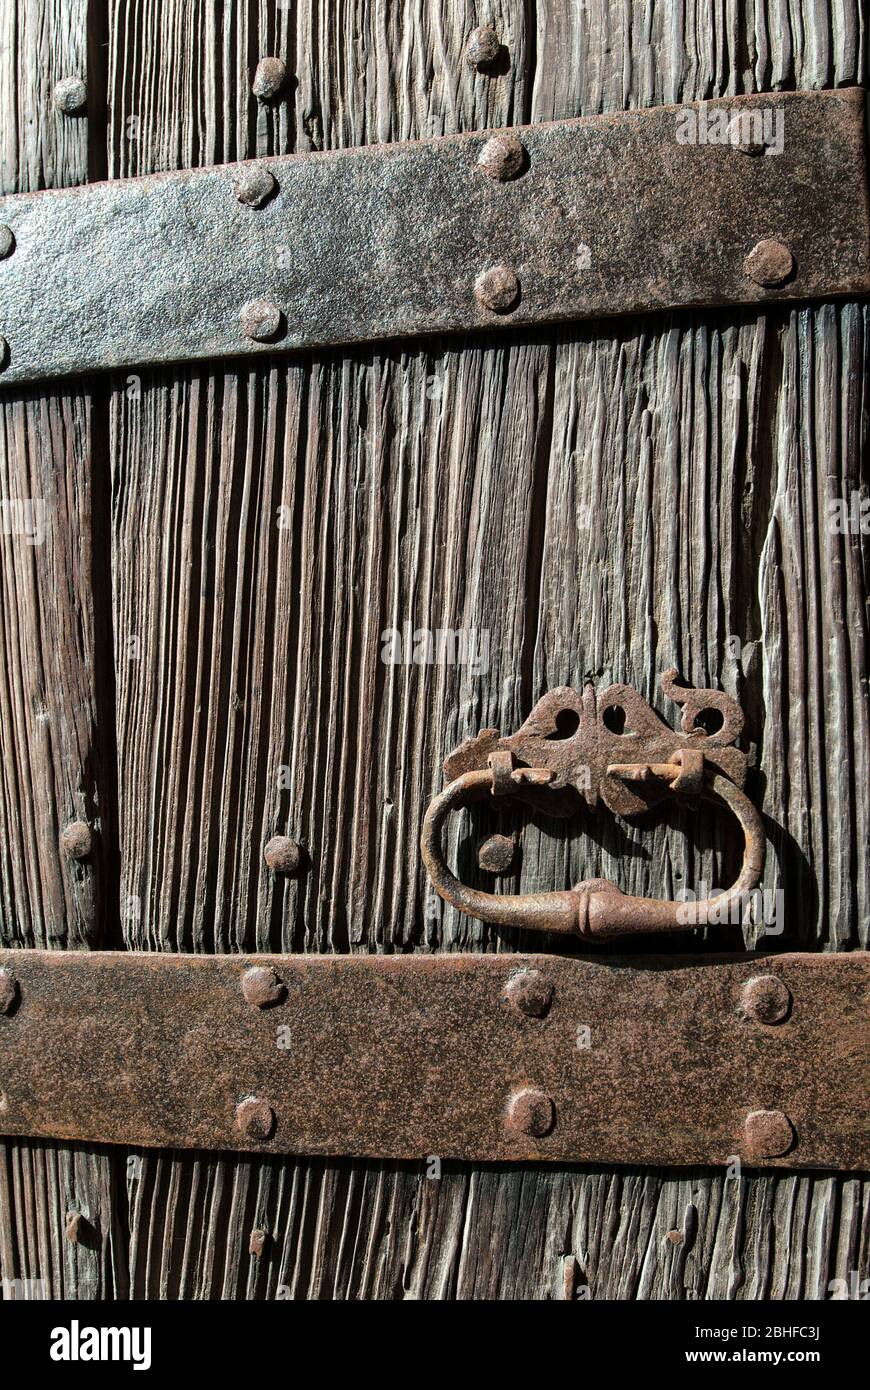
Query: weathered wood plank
[48, 702]
[446, 488]
[53, 620]
[41, 42]
[702, 461]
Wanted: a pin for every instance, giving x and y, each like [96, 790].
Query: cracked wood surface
[55, 739]
[608, 500]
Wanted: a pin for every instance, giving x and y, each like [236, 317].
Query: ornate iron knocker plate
[613, 748]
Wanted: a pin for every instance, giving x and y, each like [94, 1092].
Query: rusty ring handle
[595, 908]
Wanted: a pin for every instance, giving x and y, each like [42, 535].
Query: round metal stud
[283, 855]
[531, 1112]
[262, 987]
[260, 319]
[497, 289]
[767, 1134]
[530, 992]
[77, 840]
[76, 1227]
[254, 186]
[769, 263]
[496, 854]
[503, 157]
[257, 1242]
[7, 242]
[70, 96]
[269, 79]
[766, 999]
[483, 47]
[255, 1118]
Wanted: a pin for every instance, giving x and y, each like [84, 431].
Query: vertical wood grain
[52, 624]
[452, 485]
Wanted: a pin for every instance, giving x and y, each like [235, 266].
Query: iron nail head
[530, 992]
[503, 157]
[766, 999]
[269, 78]
[260, 319]
[255, 1118]
[770, 263]
[262, 987]
[70, 96]
[768, 1134]
[497, 289]
[482, 47]
[531, 1111]
[77, 840]
[283, 855]
[254, 186]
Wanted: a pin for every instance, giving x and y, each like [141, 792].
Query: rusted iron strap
[740, 201]
[644, 1060]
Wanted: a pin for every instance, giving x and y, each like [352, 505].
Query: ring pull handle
[596, 908]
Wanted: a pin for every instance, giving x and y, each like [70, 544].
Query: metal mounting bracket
[747, 200]
[668, 1060]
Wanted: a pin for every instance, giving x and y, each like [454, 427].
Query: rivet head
[502, 157]
[531, 1112]
[77, 840]
[765, 998]
[261, 986]
[254, 186]
[483, 47]
[70, 95]
[260, 319]
[255, 1118]
[269, 79]
[283, 855]
[7, 241]
[9, 991]
[496, 853]
[767, 1134]
[530, 992]
[4, 353]
[769, 263]
[497, 289]
[257, 1242]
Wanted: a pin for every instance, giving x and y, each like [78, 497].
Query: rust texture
[766, 999]
[530, 991]
[257, 1242]
[283, 855]
[618, 214]
[483, 47]
[406, 1056]
[77, 840]
[495, 855]
[270, 79]
[609, 748]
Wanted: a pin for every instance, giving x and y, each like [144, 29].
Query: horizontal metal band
[657, 1060]
[605, 215]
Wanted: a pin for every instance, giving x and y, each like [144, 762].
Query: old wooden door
[191, 657]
